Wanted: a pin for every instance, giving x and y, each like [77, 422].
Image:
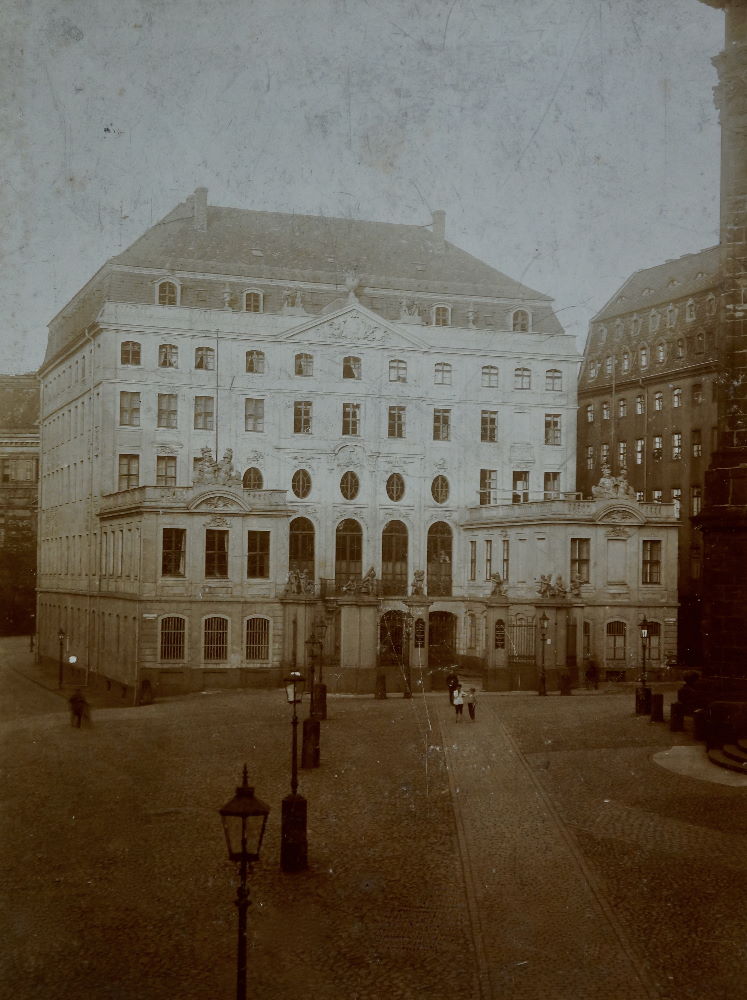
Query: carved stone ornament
[254, 457]
[522, 451]
[209, 470]
[619, 515]
[350, 455]
[610, 487]
[618, 532]
[168, 449]
[217, 522]
[358, 329]
[219, 503]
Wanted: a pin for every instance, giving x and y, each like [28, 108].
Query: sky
[570, 142]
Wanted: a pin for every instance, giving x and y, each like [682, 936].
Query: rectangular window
[216, 554]
[552, 486]
[622, 453]
[552, 428]
[129, 472]
[204, 413]
[473, 560]
[172, 638]
[166, 470]
[258, 555]
[505, 560]
[166, 409]
[657, 496]
[258, 639]
[396, 422]
[441, 425]
[351, 419]
[622, 407]
[696, 499]
[489, 425]
[697, 443]
[488, 486]
[520, 487]
[168, 356]
[677, 499]
[590, 456]
[639, 450]
[580, 559]
[129, 409]
[651, 566]
[676, 446]
[215, 639]
[488, 558]
[173, 551]
[605, 454]
[254, 415]
[302, 416]
[640, 405]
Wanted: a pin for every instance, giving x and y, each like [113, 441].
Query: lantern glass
[60, 635]
[244, 819]
[544, 622]
[294, 685]
[644, 629]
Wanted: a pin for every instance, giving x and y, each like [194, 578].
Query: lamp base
[293, 842]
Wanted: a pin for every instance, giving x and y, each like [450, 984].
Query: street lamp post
[61, 666]
[293, 844]
[543, 623]
[643, 694]
[244, 819]
[319, 691]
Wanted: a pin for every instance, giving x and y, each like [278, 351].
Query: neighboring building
[19, 484]
[647, 402]
[257, 426]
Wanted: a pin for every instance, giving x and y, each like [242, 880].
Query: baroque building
[268, 440]
[647, 403]
[19, 479]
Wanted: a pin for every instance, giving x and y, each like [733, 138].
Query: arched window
[653, 321]
[522, 378]
[304, 364]
[252, 479]
[608, 366]
[253, 302]
[680, 348]
[301, 546]
[500, 634]
[520, 322]
[215, 638]
[711, 305]
[255, 362]
[589, 413]
[205, 358]
[441, 315]
[397, 370]
[351, 367]
[635, 326]
[643, 356]
[395, 487]
[653, 643]
[661, 353]
[553, 380]
[658, 400]
[442, 373]
[172, 633]
[593, 369]
[130, 353]
[168, 356]
[671, 315]
[167, 293]
[490, 377]
[349, 485]
[626, 361]
[699, 343]
[439, 559]
[394, 559]
[440, 489]
[301, 483]
[677, 398]
[605, 410]
[257, 639]
[690, 311]
[348, 552]
[615, 648]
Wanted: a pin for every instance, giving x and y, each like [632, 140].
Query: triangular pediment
[353, 326]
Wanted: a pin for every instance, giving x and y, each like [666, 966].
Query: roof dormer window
[442, 315]
[253, 301]
[520, 321]
[167, 293]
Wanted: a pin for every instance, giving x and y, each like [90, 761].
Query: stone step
[742, 744]
[735, 753]
[717, 756]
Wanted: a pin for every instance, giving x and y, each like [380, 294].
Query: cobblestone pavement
[537, 852]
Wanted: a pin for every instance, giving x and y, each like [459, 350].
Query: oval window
[395, 487]
[440, 489]
[349, 485]
[301, 483]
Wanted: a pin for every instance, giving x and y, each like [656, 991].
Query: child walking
[471, 701]
[458, 702]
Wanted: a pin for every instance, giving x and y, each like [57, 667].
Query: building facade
[19, 482]
[647, 403]
[263, 437]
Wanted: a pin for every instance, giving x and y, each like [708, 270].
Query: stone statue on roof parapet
[613, 487]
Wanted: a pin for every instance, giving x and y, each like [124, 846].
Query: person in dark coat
[78, 709]
[592, 675]
[452, 683]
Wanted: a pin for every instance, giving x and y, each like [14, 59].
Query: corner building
[263, 437]
[647, 403]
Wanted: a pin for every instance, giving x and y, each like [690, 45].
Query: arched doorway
[441, 638]
[439, 560]
[394, 559]
[393, 649]
[348, 552]
[301, 546]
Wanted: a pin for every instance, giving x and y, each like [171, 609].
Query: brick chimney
[199, 201]
[439, 228]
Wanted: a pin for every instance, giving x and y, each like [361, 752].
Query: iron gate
[521, 644]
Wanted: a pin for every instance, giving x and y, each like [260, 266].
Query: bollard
[310, 749]
[293, 842]
[699, 724]
[319, 701]
[643, 700]
[677, 717]
[657, 707]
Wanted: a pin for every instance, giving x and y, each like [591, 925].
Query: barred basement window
[215, 639]
[257, 639]
[172, 638]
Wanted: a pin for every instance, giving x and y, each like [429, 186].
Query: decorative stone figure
[368, 584]
[499, 587]
[418, 583]
[545, 585]
[576, 582]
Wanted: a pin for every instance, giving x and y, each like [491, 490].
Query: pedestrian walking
[592, 675]
[79, 711]
[452, 683]
[458, 702]
[470, 700]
